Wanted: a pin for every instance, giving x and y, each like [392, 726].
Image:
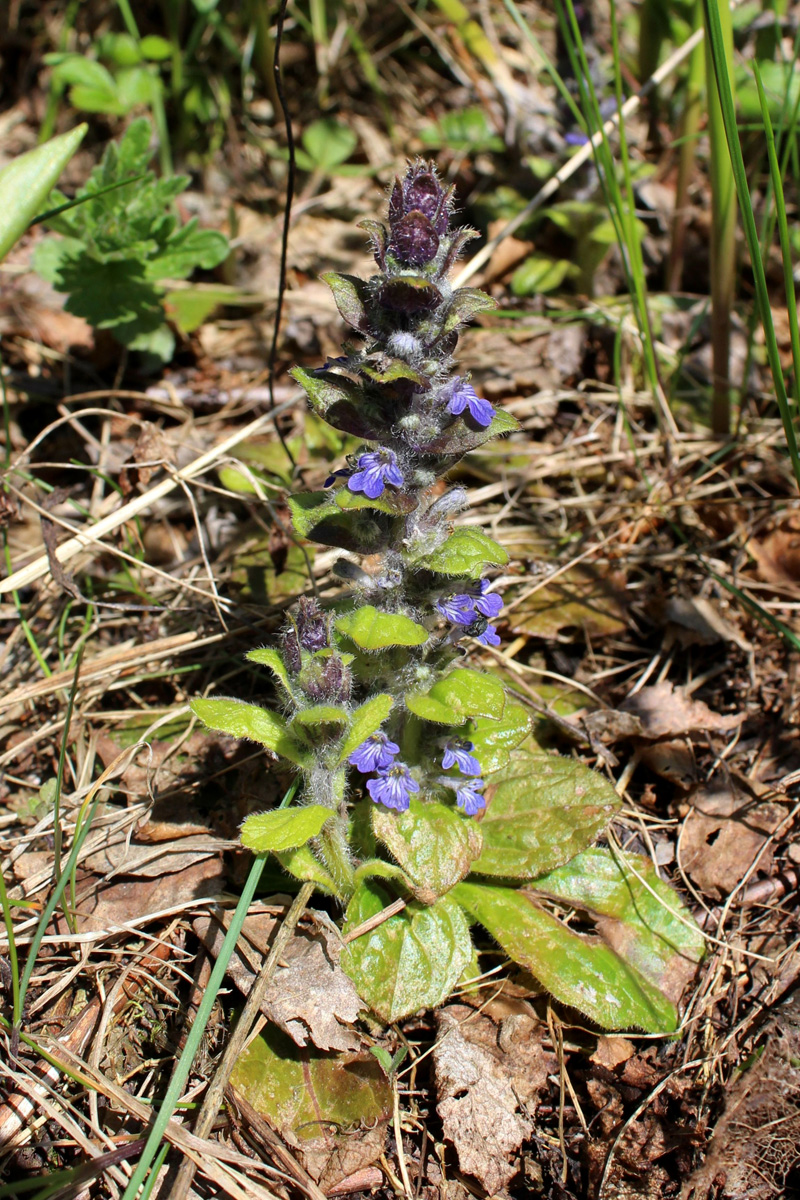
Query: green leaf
[471, 693]
[462, 694]
[328, 143]
[494, 740]
[540, 273]
[410, 962]
[309, 508]
[322, 714]
[155, 48]
[320, 391]
[186, 250]
[372, 629]
[351, 295]
[28, 179]
[465, 552]
[392, 502]
[242, 720]
[578, 971]
[367, 718]
[541, 810]
[465, 304]
[394, 370]
[284, 828]
[302, 864]
[75, 70]
[435, 845]
[651, 931]
[266, 656]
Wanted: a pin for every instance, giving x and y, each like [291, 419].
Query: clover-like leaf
[466, 552]
[494, 740]
[413, 960]
[372, 629]
[434, 844]
[541, 811]
[645, 919]
[367, 718]
[284, 828]
[242, 720]
[578, 971]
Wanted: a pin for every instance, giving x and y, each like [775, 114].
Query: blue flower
[393, 787]
[459, 609]
[488, 605]
[374, 470]
[467, 607]
[489, 637]
[465, 396]
[375, 754]
[456, 754]
[469, 798]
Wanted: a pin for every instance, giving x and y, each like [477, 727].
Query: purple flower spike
[375, 469]
[469, 798]
[457, 754]
[488, 604]
[465, 397]
[375, 754]
[393, 787]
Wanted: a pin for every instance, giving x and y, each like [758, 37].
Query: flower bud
[311, 627]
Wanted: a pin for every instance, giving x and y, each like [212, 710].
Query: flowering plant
[421, 778]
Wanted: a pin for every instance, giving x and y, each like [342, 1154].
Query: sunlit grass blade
[783, 233]
[723, 230]
[720, 64]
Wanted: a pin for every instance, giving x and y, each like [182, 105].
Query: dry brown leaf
[777, 554]
[666, 711]
[111, 905]
[310, 995]
[484, 1076]
[722, 836]
[672, 760]
[584, 598]
[612, 1051]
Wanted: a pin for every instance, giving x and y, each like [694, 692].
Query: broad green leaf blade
[309, 508]
[351, 295]
[367, 718]
[494, 740]
[301, 863]
[542, 810]
[410, 962]
[578, 971]
[472, 693]
[435, 845]
[372, 629]
[28, 180]
[266, 656]
[652, 931]
[322, 714]
[429, 709]
[465, 552]
[284, 828]
[321, 392]
[242, 720]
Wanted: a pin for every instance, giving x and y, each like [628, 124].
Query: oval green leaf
[242, 720]
[367, 718]
[372, 629]
[284, 828]
[582, 973]
[494, 740]
[542, 810]
[410, 962]
[434, 845]
[465, 552]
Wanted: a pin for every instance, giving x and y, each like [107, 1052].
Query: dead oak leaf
[484, 1076]
[724, 833]
[309, 996]
[666, 711]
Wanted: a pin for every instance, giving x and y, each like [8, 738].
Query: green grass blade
[715, 37]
